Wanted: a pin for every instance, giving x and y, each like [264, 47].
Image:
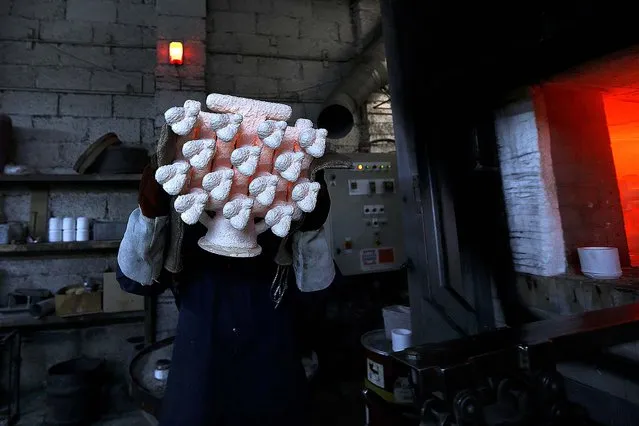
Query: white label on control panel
[403, 391]
[375, 373]
[373, 259]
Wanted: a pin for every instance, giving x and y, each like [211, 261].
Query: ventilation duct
[339, 113]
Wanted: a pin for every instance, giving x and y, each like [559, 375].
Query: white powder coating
[536, 236]
[241, 162]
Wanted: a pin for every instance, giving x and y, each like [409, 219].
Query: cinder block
[214, 5]
[119, 205]
[256, 86]
[39, 155]
[148, 83]
[91, 10]
[17, 206]
[5, 7]
[85, 105]
[136, 14]
[314, 28]
[234, 22]
[233, 65]
[220, 83]
[130, 59]
[278, 25]
[254, 6]
[66, 31]
[119, 82]
[294, 46]
[195, 8]
[21, 121]
[149, 36]
[335, 11]
[63, 78]
[346, 33]
[278, 68]
[165, 99]
[147, 132]
[128, 130]
[295, 8]
[37, 9]
[91, 204]
[28, 103]
[134, 106]
[181, 28]
[304, 90]
[119, 34]
[14, 76]
[18, 53]
[86, 57]
[192, 84]
[335, 50]
[14, 27]
[62, 129]
[314, 72]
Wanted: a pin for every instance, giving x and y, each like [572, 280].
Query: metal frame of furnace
[365, 222]
[509, 376]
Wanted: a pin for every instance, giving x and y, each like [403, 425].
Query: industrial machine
[509, 376]
[365, 222]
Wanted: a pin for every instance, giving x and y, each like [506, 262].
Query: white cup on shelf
[68, 235]
[82, 223]
[55, 224]
[82, 234]
[55, 235]
[68, 224]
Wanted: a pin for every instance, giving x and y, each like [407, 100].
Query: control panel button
[372, 186]
[389, 186]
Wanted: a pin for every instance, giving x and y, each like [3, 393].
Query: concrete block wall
[72, 70]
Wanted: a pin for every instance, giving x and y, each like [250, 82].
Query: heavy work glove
[153, 200]
[315, 219]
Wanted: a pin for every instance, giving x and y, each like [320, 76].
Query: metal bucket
[388, 393]
[73, 392]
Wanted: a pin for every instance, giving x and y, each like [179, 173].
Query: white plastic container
[600, 262]
[82, 234]
[68, 224]
[55, 224]
[68, 235]
[82, 223]
[55, 235]
[401, 339]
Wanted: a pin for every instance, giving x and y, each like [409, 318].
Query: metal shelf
[26, 321]
[48, 180]
[48, 248]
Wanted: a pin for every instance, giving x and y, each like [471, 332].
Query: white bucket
[600, 262]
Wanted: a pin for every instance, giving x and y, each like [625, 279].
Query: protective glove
[315, 220]
[152, 199]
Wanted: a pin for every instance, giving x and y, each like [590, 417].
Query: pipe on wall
[369, 73]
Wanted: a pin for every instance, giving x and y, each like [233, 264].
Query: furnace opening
[569, 155]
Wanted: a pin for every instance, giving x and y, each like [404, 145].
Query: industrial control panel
[365, 222]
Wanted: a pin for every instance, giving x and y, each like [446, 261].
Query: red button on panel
[386, 255]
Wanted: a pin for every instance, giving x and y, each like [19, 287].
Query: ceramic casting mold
[240, 170]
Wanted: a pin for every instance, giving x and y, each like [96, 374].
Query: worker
[235, 360]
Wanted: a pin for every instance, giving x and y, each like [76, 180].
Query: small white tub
[600, 262]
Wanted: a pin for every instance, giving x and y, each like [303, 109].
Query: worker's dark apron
[234, 359]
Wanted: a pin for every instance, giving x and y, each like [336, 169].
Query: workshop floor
[334, 405]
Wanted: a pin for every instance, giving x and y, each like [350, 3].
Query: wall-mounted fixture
[176, 53]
